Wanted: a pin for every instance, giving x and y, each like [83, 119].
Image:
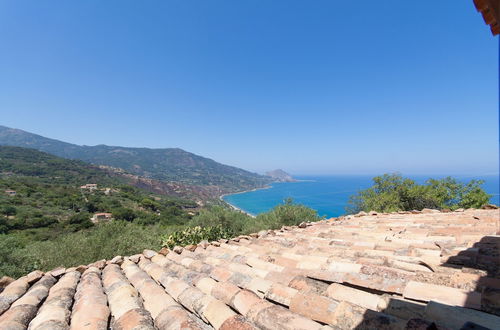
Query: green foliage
[194, 235]
[80, 221]
[20, 255]
[124, 214]
[148, 203]
[48, 168]
[286, 214]
[229, 219]
[48, 221]
[217, 222]
[9, 210]
[49, 196]
[13, 262]
[4, 226]
[392, 192]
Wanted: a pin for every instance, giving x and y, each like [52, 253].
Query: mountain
[167, 164]
[280, 176]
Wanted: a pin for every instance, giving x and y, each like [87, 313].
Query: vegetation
[48, 200]
[392, 192]
[20, 254]
[194, 235]
[218, 222]
[47, 221]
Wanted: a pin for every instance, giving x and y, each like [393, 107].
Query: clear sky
[313, 87]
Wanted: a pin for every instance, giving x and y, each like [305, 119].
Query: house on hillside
[99, 217]
[10, 192]
[89, 186]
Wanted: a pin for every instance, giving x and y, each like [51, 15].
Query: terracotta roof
[490, 9]
[386, 271]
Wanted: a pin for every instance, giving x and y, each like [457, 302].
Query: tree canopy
[393, 192]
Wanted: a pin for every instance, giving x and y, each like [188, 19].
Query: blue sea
[329, 195]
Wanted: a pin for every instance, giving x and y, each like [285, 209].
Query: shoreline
[269, 186]
[221, 198]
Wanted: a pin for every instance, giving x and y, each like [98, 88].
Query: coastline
[221, 197]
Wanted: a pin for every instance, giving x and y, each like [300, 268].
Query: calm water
[327, 194]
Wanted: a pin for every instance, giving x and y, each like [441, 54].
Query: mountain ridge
[164, 164]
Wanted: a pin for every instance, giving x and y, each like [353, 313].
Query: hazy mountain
[168, 164]
[280, 176]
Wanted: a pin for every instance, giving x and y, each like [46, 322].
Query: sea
[329, 195]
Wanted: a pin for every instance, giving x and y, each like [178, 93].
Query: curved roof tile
[384, 271]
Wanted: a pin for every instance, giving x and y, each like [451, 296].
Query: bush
[13, 261]
[231, 220]
[124, 214]
[4, 225]
[392, 192]
[9, 210]
[80, 221]
[194, 235]
[20, 255]
[148, 203]
[147, 219]
[286, 214]
[218, 222]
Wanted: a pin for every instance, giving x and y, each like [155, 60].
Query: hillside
[17, 162]
[41, 191]
[168, 164]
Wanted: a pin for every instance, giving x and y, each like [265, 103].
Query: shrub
[231, 220]
[9, 210]
[13, 261]
[124, 214]
[148, 203]
[80, 221]
[19, 254]
[147, 219]
[194, 235]
[4, 225]
[392, 192]
[286, 214]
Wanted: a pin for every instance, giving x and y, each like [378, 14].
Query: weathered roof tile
[384, 271]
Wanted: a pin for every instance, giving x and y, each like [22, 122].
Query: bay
[328, 195]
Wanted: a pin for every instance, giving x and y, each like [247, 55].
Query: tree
[124, 214]
[9, 210]
[229, 219]
[4, 227]
[80, 221]
[150, 204]
[286, 214]
[392, 192]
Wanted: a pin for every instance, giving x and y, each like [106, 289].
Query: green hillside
[169, 164]
[42, 195]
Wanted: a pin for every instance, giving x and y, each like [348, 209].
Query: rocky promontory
[280, 176]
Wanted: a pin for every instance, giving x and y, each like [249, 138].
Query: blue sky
[312, 87]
